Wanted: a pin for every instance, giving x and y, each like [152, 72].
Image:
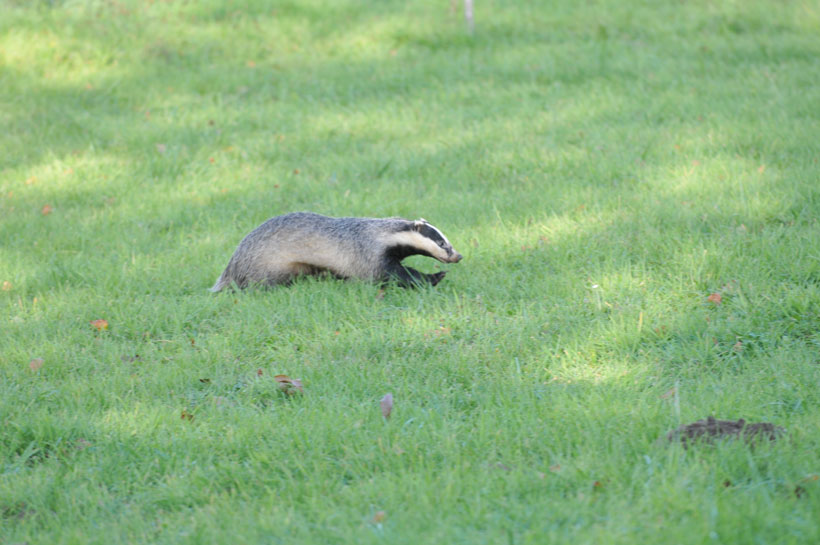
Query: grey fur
[306, 243]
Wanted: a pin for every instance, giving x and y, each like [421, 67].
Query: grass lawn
[607, 168]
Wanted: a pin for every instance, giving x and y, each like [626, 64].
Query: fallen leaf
[31, 180]
[99, 325]
[289, 385]
[386, 405]
[597, 484]
[186, 415]
[555, 468]
[81, 444]
[727, 483]
[761, 169]
[205, 380]
[35, 364]
[379, 517]
[442, 330]
[669, 393]
[259, 372]
[738, 346]
[715, 298]
[46, 210]
[6, 286]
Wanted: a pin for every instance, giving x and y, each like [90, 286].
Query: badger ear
[417, 225]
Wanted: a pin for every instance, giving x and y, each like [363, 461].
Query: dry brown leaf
[36, 364]
[715, 298]
[6, 286]
[386, 404]
[186, 415]
[555, 468]
[46, 210]
[379, 517]
[669, 393]
[289, 385]
[438, 332]
[259, 372]
[99, 325]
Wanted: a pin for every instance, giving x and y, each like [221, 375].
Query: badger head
[421, 238]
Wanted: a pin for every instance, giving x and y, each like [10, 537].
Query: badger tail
[221, 284]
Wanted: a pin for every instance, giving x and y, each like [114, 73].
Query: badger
[304, 243]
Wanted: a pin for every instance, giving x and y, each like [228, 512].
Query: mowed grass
[603, 166]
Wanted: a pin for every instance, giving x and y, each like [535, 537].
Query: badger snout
[455, 257]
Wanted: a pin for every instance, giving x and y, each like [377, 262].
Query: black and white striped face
[421, 237]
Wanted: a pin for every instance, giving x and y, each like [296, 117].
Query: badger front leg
[408, 277]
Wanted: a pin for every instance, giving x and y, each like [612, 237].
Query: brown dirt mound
[709, 430]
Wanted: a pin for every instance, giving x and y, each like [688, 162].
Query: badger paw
[436, 278]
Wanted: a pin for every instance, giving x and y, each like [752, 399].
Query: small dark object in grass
[707, 431]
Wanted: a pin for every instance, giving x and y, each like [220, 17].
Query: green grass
[603, 166]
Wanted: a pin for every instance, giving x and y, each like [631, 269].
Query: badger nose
[456, 257]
